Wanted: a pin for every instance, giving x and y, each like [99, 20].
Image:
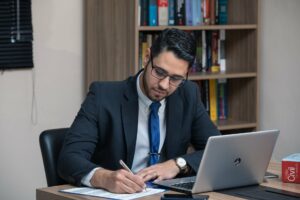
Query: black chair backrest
[51, 142]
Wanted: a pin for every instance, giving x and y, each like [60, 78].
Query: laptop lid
[229, 161]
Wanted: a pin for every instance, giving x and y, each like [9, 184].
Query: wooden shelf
[202, 27]
[105, 61]
[210, 75]
[231, 124]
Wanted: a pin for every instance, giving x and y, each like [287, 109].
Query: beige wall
[58, 59]
[280, 56]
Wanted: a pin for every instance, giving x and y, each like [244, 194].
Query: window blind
[15, 34]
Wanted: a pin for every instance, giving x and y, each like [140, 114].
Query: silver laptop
[229, 161]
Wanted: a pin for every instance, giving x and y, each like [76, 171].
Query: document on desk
[103, 193]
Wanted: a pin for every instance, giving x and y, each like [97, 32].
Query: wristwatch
[181, 164]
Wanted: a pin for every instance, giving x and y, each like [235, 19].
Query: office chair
[51, 142]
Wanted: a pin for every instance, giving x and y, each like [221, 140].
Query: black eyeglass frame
[165, 74]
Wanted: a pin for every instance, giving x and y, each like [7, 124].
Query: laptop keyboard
[188, 185]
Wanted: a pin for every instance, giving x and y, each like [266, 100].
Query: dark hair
[181, 43]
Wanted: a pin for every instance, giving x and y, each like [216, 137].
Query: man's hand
[161, 171]
[120, 181]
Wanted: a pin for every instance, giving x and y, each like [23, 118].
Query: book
[213, 107]
[198, 60]
[188, 13]
[291, 168]
[180, 14]
[163, 12]
[172, 9]
[206, 11]
[144, 48]
[149, 39]
[144, 7]
[153, 13]
[222, 57]
[208, 35]
[217, 12]
[223, 9]
[197, 13]
[222, 99]
[212, 7]
[204, 50]
[214, 52]
[205, 95]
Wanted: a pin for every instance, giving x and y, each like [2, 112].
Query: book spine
[152, 12]
[144, 47]
[217, 12]
[163, 12]
[212, 11]
[208, 50]
[172, 9]
[180, 16]
[188, 13]
[197, 18]
[206, 96]
[291, 171]
[198, 62]
[213, 99]
[141, 36]
[206, 11]
[222, 58]
[214, 46]
[204, 50]
[223, 9]
[222, 99]
[144, 12]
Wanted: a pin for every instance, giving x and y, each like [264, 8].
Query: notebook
[229, 161]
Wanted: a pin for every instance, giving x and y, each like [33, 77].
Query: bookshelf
[241, 47]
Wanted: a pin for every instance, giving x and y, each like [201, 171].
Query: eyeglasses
[161, 74]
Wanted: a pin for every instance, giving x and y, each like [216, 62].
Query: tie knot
[155, 106]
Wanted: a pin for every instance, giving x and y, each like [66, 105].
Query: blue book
[223, 14]
[197, 13]
[172, 10]
[153, 13]
[188, 13]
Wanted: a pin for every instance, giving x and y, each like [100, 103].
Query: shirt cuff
[87, 178]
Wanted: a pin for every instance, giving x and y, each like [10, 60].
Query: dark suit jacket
[105, 128]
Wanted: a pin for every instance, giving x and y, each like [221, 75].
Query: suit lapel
[130, 118]
[174, 117]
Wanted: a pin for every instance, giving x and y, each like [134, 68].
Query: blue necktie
[154, 134]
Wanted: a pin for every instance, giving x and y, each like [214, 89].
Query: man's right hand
[120, 181]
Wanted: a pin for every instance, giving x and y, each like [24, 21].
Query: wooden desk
[52, 193]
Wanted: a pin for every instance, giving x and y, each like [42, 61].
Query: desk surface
[54, 194]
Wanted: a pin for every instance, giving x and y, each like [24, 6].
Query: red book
[163, 12]
[291, 168]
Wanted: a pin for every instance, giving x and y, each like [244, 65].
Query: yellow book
[144, 49]
[213, 105]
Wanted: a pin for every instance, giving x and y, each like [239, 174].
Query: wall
[58, 59]
[280, 69]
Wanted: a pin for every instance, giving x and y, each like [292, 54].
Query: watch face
[181, 162]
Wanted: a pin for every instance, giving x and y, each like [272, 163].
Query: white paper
[103, 193]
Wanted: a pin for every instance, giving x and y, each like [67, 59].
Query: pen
[127, 168]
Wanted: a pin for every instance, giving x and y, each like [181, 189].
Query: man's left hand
[160, 171]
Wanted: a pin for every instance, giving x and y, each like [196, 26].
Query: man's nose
[165, 83]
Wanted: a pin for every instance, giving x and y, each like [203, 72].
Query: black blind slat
[16, 34]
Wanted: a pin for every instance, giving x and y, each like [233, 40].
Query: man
[112, 124]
